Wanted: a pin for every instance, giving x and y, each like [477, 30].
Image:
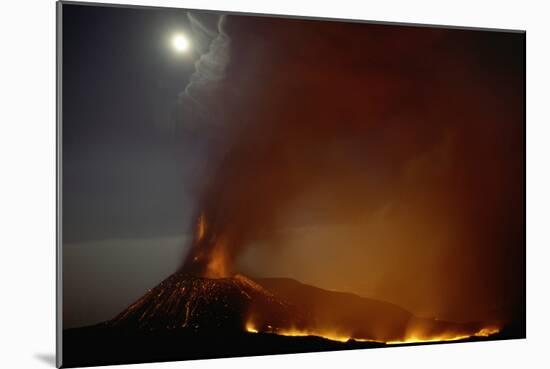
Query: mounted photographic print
[236, 184]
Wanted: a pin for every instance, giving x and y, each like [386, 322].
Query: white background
[27, 181]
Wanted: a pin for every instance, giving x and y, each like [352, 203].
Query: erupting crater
[205, 297]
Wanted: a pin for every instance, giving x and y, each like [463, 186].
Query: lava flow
[413, 338]
[294, 332]
[334, 336]
[209, 255]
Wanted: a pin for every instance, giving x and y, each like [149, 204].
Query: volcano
[205, 310]
[185, 301]
[191, 317]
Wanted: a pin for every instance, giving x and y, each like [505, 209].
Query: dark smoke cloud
[387, 161]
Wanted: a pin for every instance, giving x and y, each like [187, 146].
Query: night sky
[387, 161]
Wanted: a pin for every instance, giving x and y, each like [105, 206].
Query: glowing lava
[419, 337]
[250, 328]
[333, 336]
[295, 332]
[209, 255]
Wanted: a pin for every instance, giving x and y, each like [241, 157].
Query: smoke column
[331, 142]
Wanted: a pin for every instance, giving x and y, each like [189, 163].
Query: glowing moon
[180, 43]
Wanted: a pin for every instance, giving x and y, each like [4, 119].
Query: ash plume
[362, 149]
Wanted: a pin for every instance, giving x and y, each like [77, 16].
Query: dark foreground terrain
[100, 345]
[187, 317]
[104, 345]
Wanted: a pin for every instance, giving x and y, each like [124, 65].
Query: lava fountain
[209, 255]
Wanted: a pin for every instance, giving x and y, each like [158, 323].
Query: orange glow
[250, 328]
[210, 256]
[440, 338]
[295, 332]
[334, 336]
[416, 337]
[217, 266]
[486, 332]
[298, 333]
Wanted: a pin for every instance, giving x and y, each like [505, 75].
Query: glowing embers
[197, 304]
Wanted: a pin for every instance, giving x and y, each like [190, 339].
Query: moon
[180, 43]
